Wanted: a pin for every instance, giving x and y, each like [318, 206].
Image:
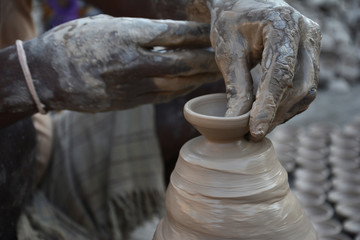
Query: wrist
[14, 93]
[60, 82]
[44, 76]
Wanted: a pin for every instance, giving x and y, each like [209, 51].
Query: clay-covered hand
[105, 63]
[283, 41]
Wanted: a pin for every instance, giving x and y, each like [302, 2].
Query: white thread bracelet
[27, 74]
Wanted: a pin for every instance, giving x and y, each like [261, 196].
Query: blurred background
[319, 148]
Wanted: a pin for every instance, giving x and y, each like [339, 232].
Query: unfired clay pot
[312, 140]
[314, 187]
[311, 163]
[352, 226]
[350, 175]
[345, 186]
[328, 228]
[346, 198]
[323, 128]
[225, 187]
[310, 198]
[319, 213]
[348, 211]
[312, 176]
[343, 152]
[345, 139]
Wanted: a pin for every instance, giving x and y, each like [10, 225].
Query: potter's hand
[104, 63]
[287, 44]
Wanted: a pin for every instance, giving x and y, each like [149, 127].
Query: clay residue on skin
[274, 34]
[114, 66]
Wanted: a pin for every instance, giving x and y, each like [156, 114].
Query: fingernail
[230, 113]
[259, 131]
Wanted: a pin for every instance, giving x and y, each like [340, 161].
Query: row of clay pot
[324, 162]
[306, 152]
[311, 179]
[345, 163]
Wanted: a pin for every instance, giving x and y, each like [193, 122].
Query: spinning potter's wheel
[225, 187]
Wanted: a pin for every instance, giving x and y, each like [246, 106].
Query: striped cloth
[105, 178]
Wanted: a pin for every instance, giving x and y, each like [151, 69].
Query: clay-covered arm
[271, 33]
[105, 63]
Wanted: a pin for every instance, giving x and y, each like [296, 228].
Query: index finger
[278, 64]
[233, 64]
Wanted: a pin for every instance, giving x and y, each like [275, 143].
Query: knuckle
[313, 29]
[282, 75]
[316, 27]
[225, 21]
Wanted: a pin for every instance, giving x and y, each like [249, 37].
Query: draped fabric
[105, 178]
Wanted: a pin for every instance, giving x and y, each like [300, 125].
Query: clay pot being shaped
[225, 187]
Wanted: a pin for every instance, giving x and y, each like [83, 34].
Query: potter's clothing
[105, 178]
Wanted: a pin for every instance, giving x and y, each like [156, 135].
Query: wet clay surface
[233, 189]
[213, 196]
